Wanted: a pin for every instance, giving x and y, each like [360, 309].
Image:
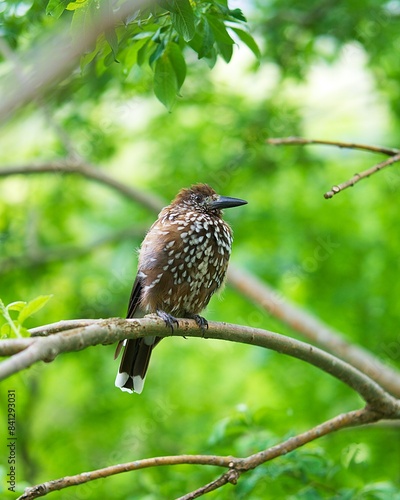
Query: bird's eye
[197, 198]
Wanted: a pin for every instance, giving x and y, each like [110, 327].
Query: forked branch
[50, 340]
[392, 152]
[236, 466]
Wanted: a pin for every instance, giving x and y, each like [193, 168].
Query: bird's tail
[134, 363]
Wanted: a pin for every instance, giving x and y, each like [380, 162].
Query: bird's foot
[168, 318]
[200, 322]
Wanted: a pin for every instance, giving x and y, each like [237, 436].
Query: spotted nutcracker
[182, 261]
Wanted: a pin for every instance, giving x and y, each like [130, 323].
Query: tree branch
[65, 482]
[350, 419]
[300, 141]
[9, 347]
[314, 329]
[61, 326]
[362, 175]
[50, 61]
[47, 255]
[231, 476]
[112, 330]
[89, 171]
[235, 465]
[394, 153]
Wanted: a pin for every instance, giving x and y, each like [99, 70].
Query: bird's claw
[168, 318]
[201, 323]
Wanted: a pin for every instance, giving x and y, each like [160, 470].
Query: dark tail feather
[134, 364]
[136, 356]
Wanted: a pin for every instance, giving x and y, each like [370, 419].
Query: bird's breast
[183, 262]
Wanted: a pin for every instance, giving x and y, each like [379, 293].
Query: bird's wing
[136, 356]
[135, 297]
[132, 308]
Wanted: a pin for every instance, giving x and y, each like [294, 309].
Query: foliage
[14, 327]
[156, 35]
[337, 258]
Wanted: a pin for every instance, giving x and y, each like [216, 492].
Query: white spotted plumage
[182, 262]
[189, 251]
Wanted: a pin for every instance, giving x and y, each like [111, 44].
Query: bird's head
[203, 198]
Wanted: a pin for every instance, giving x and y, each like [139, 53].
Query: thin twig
[236, 465]
[362, 175]
[112, 330]
[231, 476]
[394, 153]
[299, 141]
[314, 329]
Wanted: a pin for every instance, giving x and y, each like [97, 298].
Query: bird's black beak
[226, 202]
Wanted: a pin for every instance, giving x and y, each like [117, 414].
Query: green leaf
[169, 74]
[203, 41]
[226, 51]
[248, 40]
[142, 52]
[177, 60]
[13, 326]
[131, 55]
[6, 331]
[33, 306]
[183, 19]
[160, 49]
[219, 30]
[167, 5]
[106, 10]
[112, 39]
[82, 20]
[56, 7]
[16, 306]
[211, 58]
[222, 37]
[88, 58]
[165, 81]
[13, 329]
[78, 4]
[237, 14]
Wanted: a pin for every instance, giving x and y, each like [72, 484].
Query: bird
[183, 261]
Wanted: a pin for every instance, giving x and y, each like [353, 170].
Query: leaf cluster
[14, 327]
[158, 36]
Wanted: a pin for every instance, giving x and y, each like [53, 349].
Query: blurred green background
[327, 70]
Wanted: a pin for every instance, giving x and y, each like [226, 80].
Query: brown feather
[182, 262]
